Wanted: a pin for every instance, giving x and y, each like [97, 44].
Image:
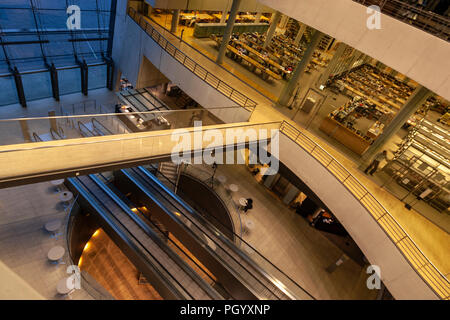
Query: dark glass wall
[34, 36]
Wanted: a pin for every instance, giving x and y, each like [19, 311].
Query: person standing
[373, 166]
[181, 37]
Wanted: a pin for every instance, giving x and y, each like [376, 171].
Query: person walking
[373, 166]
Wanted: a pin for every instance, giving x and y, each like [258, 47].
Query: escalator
[137, 236]
[168, 273]
[260, 284]
[249, 279]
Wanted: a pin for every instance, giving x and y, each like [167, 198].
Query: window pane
[8, 93]
[37, 85]
[69, 81]
[97, 77]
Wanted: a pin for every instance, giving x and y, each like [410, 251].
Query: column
[299, 70]
[228, 30]
[283, 21]
[25, 131]
[52, 120]
[393, 73]
[223, 18]
[19, 87]
[175, 20]
[300, 33]
[415, 101]
[258, 17]
[332, 64]
[273, 25]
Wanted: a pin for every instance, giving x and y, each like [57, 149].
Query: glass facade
[34, 34]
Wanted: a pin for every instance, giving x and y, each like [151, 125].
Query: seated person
[192, 22]
[255, 171]
[249, 205]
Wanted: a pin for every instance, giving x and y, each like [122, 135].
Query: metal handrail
[264, 258]
[238, 97]
[409, 249]
[36, 137]
[429, 22]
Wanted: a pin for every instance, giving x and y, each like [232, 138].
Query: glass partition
[8, 93]
[24, 130]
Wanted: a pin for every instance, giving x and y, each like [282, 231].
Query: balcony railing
[421, 264]
[236, 96]
[427, 21]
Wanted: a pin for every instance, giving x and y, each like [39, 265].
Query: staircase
[171, 171]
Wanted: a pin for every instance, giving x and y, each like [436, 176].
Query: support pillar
[19, 87]
[258, 17]
[25, 131]
[228, 30]
[52, 120]
[273, 26]
[84, 77]
[415, 101]
[175, 20]
[284, 21]
[300, 33]
[110, 74]
[300, 69]
[333, 63]
[223, 18]
[54, 81]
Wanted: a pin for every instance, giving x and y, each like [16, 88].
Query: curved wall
[396, 272]
[202, 198]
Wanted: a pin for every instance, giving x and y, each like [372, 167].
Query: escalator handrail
[82, 125]
[89, 196]
[53, 132]
[123, 198]
[94, 121]
[112, 194]
[37, 137]
[183, 265]
[215, 230]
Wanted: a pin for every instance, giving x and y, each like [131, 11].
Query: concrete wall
[132, 45]
[396, 273]
[210, 5]
[149, 75]
[413, 52]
